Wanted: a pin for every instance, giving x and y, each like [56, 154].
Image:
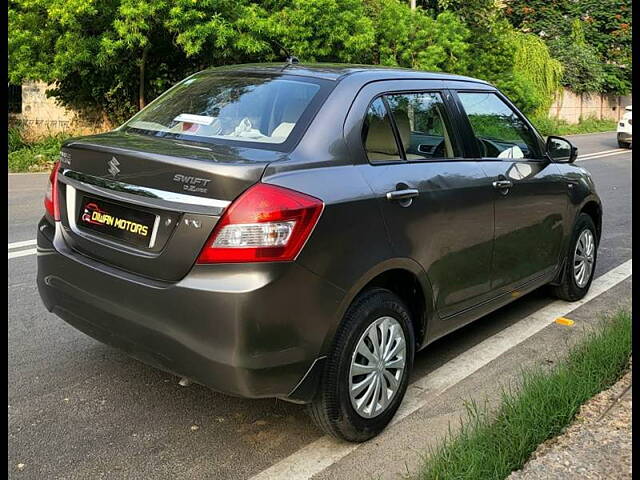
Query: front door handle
[405, 194]
[502, 184]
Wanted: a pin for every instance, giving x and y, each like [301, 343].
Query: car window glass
[238, 108]
[422, 125]
[500, 133]
[379, 140]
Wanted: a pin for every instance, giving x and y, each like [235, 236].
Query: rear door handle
[403, 194]
[502, 184]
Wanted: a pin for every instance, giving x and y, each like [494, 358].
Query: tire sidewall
[583, 222]
[350, 423]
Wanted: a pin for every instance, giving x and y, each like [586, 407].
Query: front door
[437, 206]
[529, 193]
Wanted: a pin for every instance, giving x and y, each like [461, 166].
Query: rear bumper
[252, 330]
[624, 137]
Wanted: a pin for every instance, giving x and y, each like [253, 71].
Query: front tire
[580, 262]
[367, 371]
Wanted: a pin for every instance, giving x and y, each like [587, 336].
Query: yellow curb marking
[564, 321]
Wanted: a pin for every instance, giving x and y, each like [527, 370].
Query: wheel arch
[407, 279]
[593, 208]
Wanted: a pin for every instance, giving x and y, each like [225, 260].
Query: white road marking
[604, 151]
[25, 243]
[582, 159]
[22, 253]
[326, 451]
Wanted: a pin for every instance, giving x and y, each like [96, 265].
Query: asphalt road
[78, 409]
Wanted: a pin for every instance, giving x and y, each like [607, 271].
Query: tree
[315, 30]
[583, 70]
[111, 57]
[414, 39]
[607, 34]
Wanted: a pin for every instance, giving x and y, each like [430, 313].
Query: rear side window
[422, 125]
[499, 131]
[377, 134]
[239, 108]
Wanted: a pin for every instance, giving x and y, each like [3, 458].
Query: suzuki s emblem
[113, 166]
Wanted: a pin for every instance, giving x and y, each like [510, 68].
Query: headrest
[380, 137]
[404, 127]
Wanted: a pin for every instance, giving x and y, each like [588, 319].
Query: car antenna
[290, 60]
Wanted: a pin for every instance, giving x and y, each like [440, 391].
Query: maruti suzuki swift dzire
[301, 231]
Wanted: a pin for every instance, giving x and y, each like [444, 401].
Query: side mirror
[561, 150]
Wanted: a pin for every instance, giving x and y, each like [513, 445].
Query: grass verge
[35, 156]
[491, 446]
[552, 126]
[34, 150]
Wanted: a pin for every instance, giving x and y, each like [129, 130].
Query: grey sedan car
[301, 231]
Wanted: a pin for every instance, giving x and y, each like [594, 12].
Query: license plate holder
[126, 224]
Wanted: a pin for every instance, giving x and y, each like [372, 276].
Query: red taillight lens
[265, 224]
[51, 197]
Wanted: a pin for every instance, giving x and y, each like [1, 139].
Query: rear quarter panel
[582, 193]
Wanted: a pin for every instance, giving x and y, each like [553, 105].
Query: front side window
[500, 133]
[209, 106]
[422, 125]
[377, 134]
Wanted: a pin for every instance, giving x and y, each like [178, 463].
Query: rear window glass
[239, 108]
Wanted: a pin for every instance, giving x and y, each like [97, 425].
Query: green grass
[551, 126]
[33, 156]
[492, 445]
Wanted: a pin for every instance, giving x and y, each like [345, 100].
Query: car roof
[338, 71]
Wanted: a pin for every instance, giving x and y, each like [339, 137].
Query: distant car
[624, 129]
[300, 232]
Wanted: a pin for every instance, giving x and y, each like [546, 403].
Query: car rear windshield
[250, 109]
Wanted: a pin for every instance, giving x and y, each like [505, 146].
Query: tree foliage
[414, 39]
[606, 26]
[110, 57]
[583, 69]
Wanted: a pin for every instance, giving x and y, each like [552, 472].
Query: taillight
[51, 204]
[265, 224]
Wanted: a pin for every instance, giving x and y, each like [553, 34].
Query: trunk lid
[147, 205]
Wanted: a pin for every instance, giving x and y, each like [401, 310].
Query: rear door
[437, 206]
[530, 196]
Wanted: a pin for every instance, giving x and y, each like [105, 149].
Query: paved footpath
[596, 446]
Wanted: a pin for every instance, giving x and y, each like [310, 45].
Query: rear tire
[573, 286]
[335, 409]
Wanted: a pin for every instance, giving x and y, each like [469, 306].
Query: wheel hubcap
[583, 258]
[377, 365]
